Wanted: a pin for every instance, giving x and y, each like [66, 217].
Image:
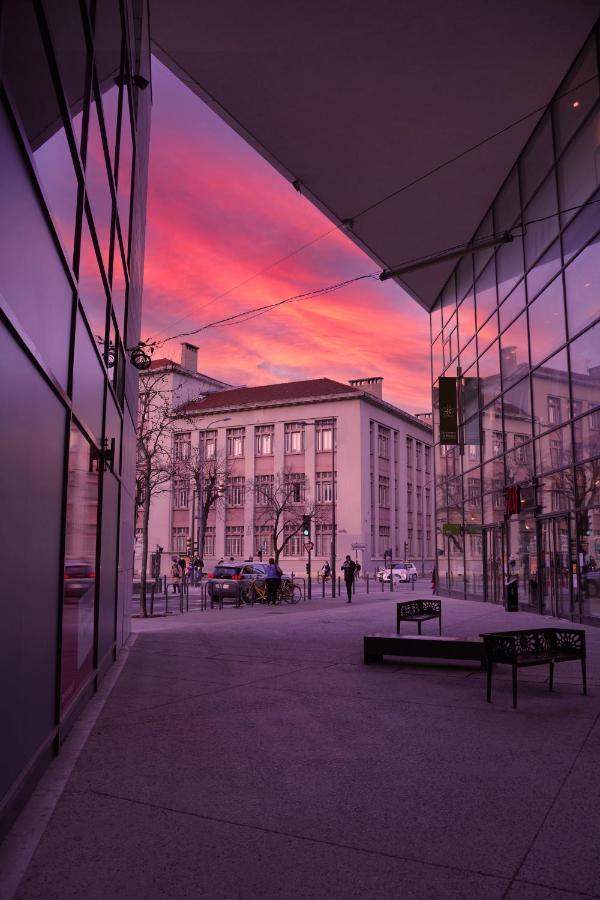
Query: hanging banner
[453, 528]
[512, 498]
[448, 411]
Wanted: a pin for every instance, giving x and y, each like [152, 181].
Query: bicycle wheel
[291, 593]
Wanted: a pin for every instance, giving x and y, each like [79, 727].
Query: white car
[401, 571]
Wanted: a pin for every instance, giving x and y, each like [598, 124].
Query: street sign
[359, 546]
[308, 545]
[451, 528]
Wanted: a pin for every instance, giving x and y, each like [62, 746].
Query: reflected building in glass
[74, 129]
[519, 325]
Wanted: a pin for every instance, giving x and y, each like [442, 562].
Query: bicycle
[290, 592]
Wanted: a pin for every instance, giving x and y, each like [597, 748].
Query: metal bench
[376, 646]
[533, 647]
[418, 611]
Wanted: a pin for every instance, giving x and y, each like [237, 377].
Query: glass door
[555, 568]
[493, 565]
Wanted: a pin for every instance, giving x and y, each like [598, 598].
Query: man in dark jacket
[349, 570]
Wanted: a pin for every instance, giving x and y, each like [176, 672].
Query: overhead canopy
[357, 99]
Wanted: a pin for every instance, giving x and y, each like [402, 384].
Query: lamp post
[200, 529]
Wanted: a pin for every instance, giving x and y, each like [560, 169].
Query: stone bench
[533, 647]
[376, 646]
[418, 611]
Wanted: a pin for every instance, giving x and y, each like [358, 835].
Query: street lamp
[200, 529]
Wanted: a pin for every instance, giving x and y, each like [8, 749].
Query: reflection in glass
[436, 319]
[88, 381]
[547, 322]
[484, 232]
[448, 299]
[489, 373]
[485, 293]
[539, 234]
[578, 169]
[464, 277]
[514, 354]
[582, 280]
[513, 305]
[124, 175]
[107, 43]
[79, 595]
[537, 158]
[517, 412]
[68, 36]
[97, 184]
[585, 359]
[437, 360]
[581, 229]
[573, 105]
[466, 319]
[468, 355]
[91, 286]
[32, 91]
[507, 207]
[545, 269]
[589, 434]
[119, 289]
[554, 450]
[509, 262]
[550, 383]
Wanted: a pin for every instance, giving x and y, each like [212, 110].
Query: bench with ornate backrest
[533, 647]
[418, 611]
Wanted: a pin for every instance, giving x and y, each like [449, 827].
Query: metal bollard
[339, 585]
[152, 600]
[323, 587]
[367, 582]
[413, 583]
[382, 585]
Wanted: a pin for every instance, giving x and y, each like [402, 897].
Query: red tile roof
[289, 391]
[163, 362]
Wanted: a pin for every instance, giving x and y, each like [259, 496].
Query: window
[263, 540]
[409, 541]
[498, 496]
[323, 533]
[473, 489]
[594, 420]
[180, 493]
[263, 489]
[427, 459]
[295, 483]
[419, 499]
[326, 435]
[235, 441]
[234, 540]
[209, 541]
[383, 442]
[323, 487]
[409, 452]
[179, 539]
[427, 499]
[419, 449]
[497, 443]
[556, 451]
[263, 435]
[522, 449]
[294, 437]
[235, 490]
[384, 491]
[554, 416]
[384, 539]
[182, 444]
[409, 497]
[208, 444]
[294, 544]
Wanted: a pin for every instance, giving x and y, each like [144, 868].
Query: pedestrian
[325, 571]
[272, 580]
[176, 573]
[434, 580]
[349, 570]
[358, 568]
[182, 565]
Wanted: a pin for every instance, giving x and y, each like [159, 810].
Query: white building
[381, 455]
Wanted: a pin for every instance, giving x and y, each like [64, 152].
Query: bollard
[323, 587]
[413, 583]
[391, 582]
[367, 582]
[166, 601]
[152, 600]
[181, 590]
[339, 585]
[382, 585]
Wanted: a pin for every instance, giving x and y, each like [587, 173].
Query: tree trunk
[145, 521]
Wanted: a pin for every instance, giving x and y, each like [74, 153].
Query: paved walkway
[250, 754]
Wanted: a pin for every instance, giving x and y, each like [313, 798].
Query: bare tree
[209, 476]
[154, 465]
[281, 504]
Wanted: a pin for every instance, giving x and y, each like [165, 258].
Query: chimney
[369, 385]
[509, 360]
[189, 357]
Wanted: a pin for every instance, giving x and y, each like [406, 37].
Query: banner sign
[448, 411]
[512, 500]
[451, 528]
[471, 528]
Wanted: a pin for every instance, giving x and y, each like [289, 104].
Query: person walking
[434, 580]
[272, 580]
[325, 571]
[349, 570]
[176, 573]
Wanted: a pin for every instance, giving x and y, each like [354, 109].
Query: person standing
[434, 580]
[273, 580]
[176, 573]
[349, 570]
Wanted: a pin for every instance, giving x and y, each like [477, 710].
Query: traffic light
[190, 547]
[306, 526]
[405, 549]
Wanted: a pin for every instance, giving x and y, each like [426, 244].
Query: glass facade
[520, 325]
[74, 146]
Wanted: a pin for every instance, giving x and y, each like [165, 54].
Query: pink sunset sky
[217, 215]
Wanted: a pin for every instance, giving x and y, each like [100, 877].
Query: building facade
[347, 454]
[520, 327]
[74, 130]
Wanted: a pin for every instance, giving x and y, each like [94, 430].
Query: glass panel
[436, 319]
[578, 175]
[125, 170]
[484, 232]
[507, 208]
[513, 304]
[554, 450]
[537, 158]
[38, 109]
[547, 322]
[509, 263]
[574, 105]
[514, 354]
[68, 37]
[517, 410]
[464, 277]
[539, 234]
[494, 437]
[588, 558]
[582, 228]
[493, 476]
[544, 270]
[436, 358]
[485, 292]
[489, 373]
[107, 44]
[519, 462]
[468, 355]
[550, 393]
[97, 184]
[88, 382]
[589, 432]
[91, 286]
[466, 319]
[585, 361]
[119, 289]
[80, 568]
[582, 279]
[587, 484]
[113, 430]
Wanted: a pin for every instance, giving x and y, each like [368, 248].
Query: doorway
[555, 583]
[493, 564]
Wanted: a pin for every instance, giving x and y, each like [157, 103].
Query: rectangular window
[427, 459]
[263, 436]
[208, 444]
[419, 449]
[326, 435]
[498, 496]
[180, 493]
[234, 541]
[419, 499]
[473, 489]
[554, 413]
[235, 441]
[409, 541]
[384, 491]
[294, 437]
[594, 420]
[236, 490]
[179, 538]
[383, 442]
[323, 487]
[556, 452]
[522, 448]
[263, 489]
[384, 539]
[497, 443]
[263, 541]
[209, 541]
[323, 534]
[295, 483]
[294, 544]
[409, 452]
[182, 444]
[409, 496]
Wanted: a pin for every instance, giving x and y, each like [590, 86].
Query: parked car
[79, 577]
[232, 579]
[401, 571]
